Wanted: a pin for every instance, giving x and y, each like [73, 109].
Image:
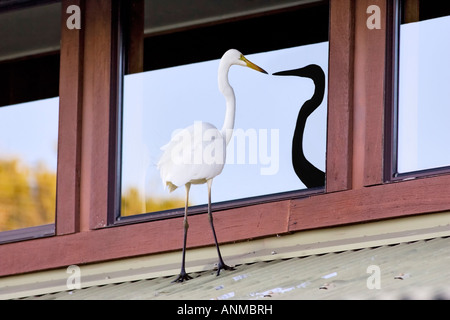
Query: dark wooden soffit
[6, 5]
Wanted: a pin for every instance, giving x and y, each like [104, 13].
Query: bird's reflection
[311, 176]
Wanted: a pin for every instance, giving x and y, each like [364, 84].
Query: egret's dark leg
[221, 265]
[183, 275]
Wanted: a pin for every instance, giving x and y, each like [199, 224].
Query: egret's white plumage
[196, 154]
[193, 155]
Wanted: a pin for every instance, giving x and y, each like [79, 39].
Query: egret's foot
[222, 266]
[183, 276]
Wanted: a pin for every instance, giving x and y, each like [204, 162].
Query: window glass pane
[158, 102]
[424, 95]
[29, 107]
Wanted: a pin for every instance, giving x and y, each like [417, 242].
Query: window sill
[220, 206]
[30, 233]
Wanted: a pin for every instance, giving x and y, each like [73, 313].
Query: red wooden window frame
[138, 64]
[393, 25]
[355, 191]
[49, 60]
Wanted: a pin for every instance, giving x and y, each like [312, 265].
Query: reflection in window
[29, 107]
[159, 99]
[424, 95]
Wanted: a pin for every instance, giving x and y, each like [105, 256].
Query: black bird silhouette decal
[311, 176]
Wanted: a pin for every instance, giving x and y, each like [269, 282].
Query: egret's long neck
[228, 93]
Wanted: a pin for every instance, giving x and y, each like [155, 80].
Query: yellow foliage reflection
[27, 195]
[135, 203]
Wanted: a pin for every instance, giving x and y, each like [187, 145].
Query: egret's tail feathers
[171, 186]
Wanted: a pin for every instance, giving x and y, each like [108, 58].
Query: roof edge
[305, 243]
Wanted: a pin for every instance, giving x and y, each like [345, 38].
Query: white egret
[196, 154]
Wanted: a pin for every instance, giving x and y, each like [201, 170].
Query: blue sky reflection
[156, 103]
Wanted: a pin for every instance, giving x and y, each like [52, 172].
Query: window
[29, 107]
[170, 82]
[423, 99]
[179, 38]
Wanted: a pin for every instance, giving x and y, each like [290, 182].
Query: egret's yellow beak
[252, 65]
